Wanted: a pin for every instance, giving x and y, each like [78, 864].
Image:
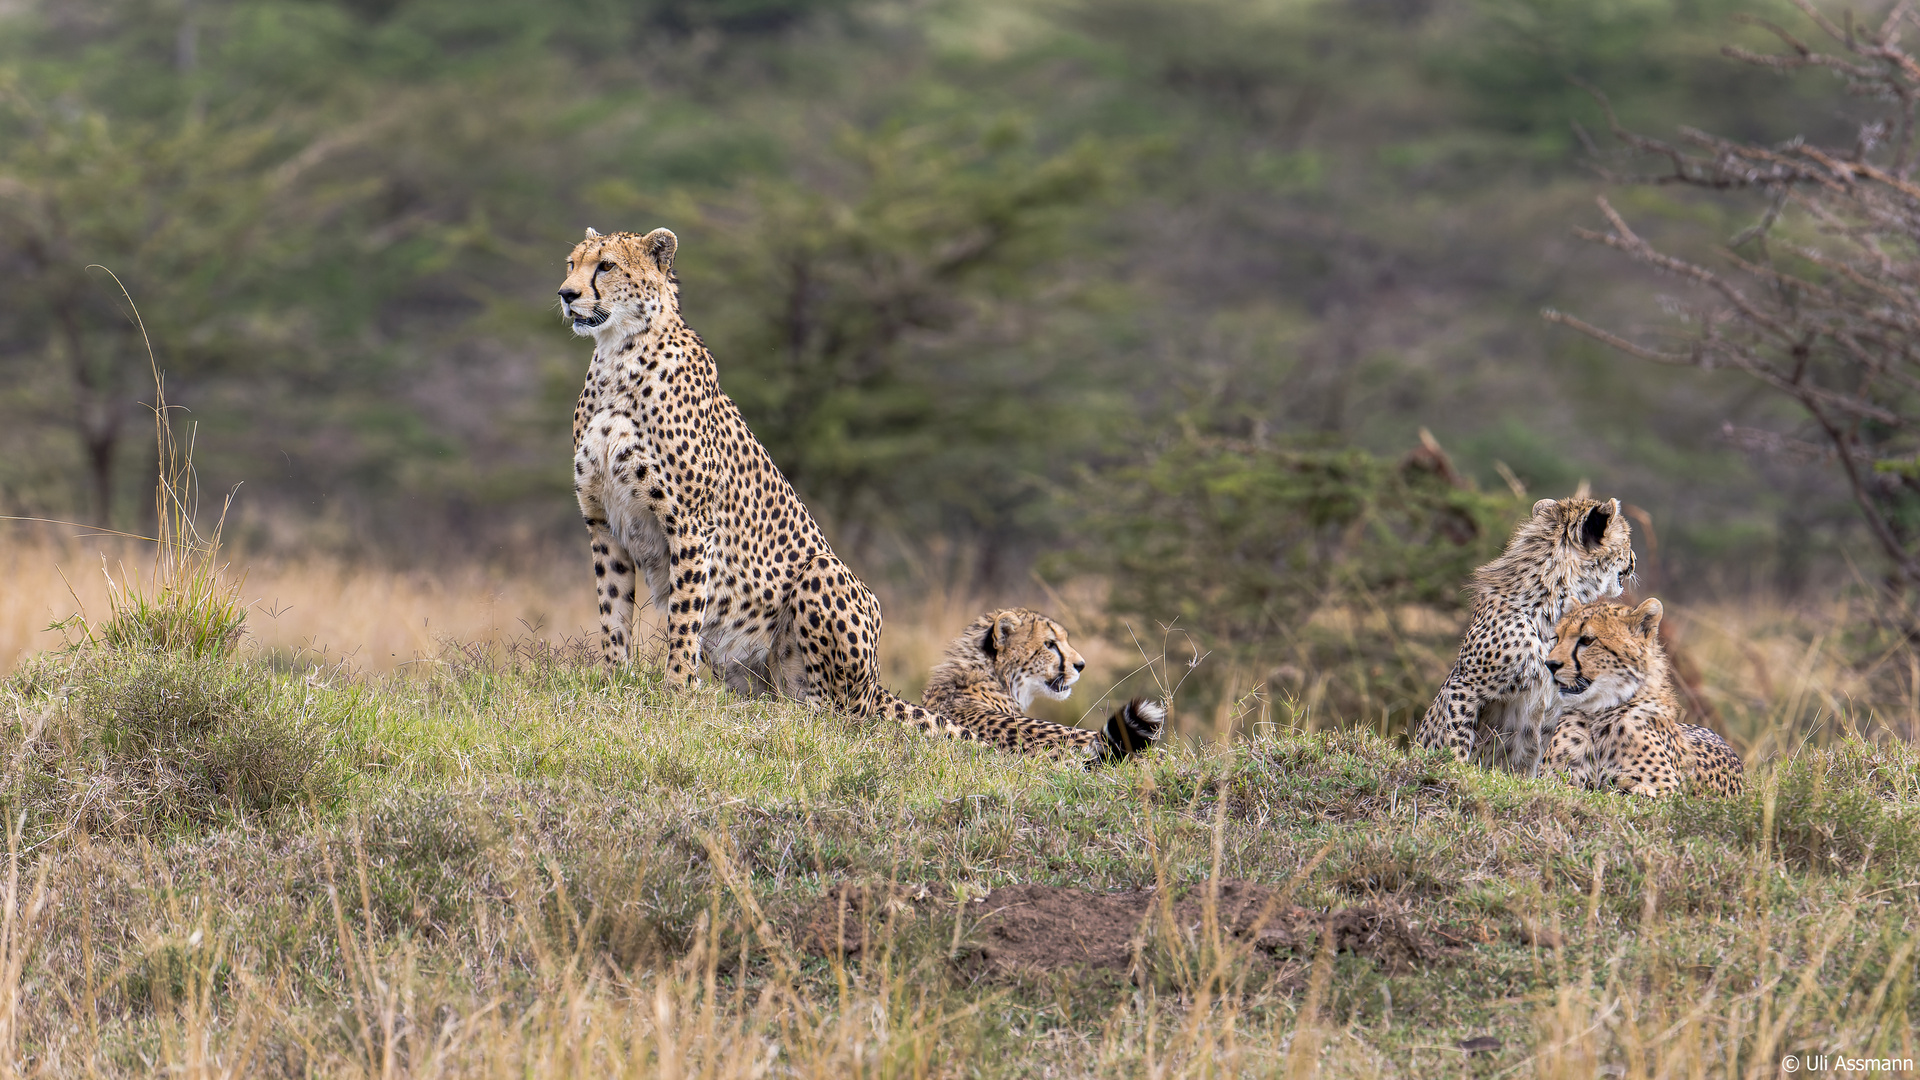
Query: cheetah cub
[997, 665]
[1621, 729]
[1566, 553]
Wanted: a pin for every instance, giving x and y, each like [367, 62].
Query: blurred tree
[166, 204]
[881, 328]
[342, 219]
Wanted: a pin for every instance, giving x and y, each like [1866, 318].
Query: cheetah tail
[1133, 728]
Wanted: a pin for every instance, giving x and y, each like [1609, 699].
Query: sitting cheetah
[1564, 554]
[1001, 660]
[674, 486]
[1621, 726]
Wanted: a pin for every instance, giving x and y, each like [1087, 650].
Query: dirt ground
[1048, 928]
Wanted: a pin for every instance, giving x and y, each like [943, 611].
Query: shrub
[1242, 543]
[144, 742]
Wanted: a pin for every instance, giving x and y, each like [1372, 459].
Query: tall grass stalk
[188, 603]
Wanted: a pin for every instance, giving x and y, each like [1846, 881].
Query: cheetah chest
[1521, 704]
[623, 473]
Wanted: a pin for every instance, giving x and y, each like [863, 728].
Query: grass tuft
[1846, 809]
[140, 744]
[188, 602]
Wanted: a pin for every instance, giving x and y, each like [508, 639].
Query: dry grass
[534, 873]
[374, 618]
[377, 619]
[406, 832]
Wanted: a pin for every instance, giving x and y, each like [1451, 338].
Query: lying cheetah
[1564, 554]
[674, 486]
[1621, 726]
[1001, 660]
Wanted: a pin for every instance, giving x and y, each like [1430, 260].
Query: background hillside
[951, 254]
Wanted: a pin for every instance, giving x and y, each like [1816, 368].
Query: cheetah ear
[660, 246]
[1646, 618]
[1003, 629]
[1542, 507]
[592, 232]
[1593, 530]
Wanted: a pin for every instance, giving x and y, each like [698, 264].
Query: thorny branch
[1819, 299]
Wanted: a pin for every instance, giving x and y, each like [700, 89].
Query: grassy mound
[502, 863]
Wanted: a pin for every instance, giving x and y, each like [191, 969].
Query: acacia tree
[1819, 300]
[165, 206]
[892, 314]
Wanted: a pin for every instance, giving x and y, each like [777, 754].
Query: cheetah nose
[1079, 665]
[568, 296]
[1555, 665]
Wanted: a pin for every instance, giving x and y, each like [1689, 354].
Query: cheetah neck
[1652, 692]
[662, 345]
[1545, 592]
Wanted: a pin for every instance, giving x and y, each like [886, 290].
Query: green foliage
[1532, 64]
[168, 205]
[1243, 541]
[945, 253]
[879, 328]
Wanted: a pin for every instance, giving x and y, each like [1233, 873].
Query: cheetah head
[619, 283]
[1603, 654]
[1029, 654]
[1590, 545]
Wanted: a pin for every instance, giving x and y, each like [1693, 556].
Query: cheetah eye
[605, 265]
[1586, 639]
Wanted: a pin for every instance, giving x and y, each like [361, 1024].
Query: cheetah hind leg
[826, 649]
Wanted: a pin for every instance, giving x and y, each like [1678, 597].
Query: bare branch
[1835, 326]
[1776, 30]
[1616, 341]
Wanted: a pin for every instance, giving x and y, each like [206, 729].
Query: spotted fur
[1621, 728]
[1001, 660]
[675, 488]
[1566, 553]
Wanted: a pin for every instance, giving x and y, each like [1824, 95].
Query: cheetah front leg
[1450, 721]
[602, 473]
[1570, 751]
[613, 582]
[690, 564]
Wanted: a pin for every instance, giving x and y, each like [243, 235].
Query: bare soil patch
[1050, 928]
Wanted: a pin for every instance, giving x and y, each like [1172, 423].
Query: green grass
[502, 864]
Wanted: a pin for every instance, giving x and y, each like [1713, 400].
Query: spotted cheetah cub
[1001, 660]
[1567, 552]
[1621, 730]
